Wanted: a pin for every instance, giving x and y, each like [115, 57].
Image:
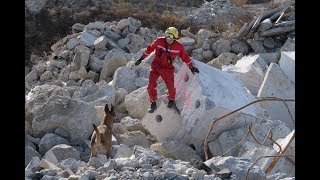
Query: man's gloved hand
[194, 69]
[138, 62]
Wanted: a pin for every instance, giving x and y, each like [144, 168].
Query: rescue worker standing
[166, 50]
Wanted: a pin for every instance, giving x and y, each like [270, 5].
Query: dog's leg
[93, 151]
[108, 155]
[93, 142]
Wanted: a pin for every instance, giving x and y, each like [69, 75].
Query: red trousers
[167, 76]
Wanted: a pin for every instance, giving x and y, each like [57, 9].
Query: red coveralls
[161, 67]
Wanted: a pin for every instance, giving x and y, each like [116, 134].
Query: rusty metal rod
[274, 161]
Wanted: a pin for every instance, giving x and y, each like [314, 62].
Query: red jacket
[160, 60]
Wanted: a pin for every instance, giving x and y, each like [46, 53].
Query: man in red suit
[166, 50]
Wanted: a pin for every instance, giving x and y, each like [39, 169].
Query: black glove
[138, 62]
[194, 69]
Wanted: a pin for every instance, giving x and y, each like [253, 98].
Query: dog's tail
[98, 136]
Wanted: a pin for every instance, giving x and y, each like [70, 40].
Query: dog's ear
[112, 109]
[106, 108]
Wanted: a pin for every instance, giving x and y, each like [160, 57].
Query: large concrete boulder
[126, 77]
[201, 98]
[61, 152]
[75, 116]
[50, 140]
[35, 99]
[112, 61]
[277, 84]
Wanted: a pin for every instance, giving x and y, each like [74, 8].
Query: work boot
[152, 107]
[170, 103]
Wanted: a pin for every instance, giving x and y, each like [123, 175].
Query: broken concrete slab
[253, 151]
[288, 142]
[125, 77]
[65, 112]
[277, 84]
[259, 129]
[201, 98]
[248, 73]
[287, 64]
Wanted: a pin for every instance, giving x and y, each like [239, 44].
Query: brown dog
[102, 136]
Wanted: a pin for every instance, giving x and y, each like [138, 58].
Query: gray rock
[221, 46]
[134, 138]
[269, 42]
[62, 132]
[240, 47]
[95, 162]
[61, 152]
[72, 164]
[50, 140]
[29, 153]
